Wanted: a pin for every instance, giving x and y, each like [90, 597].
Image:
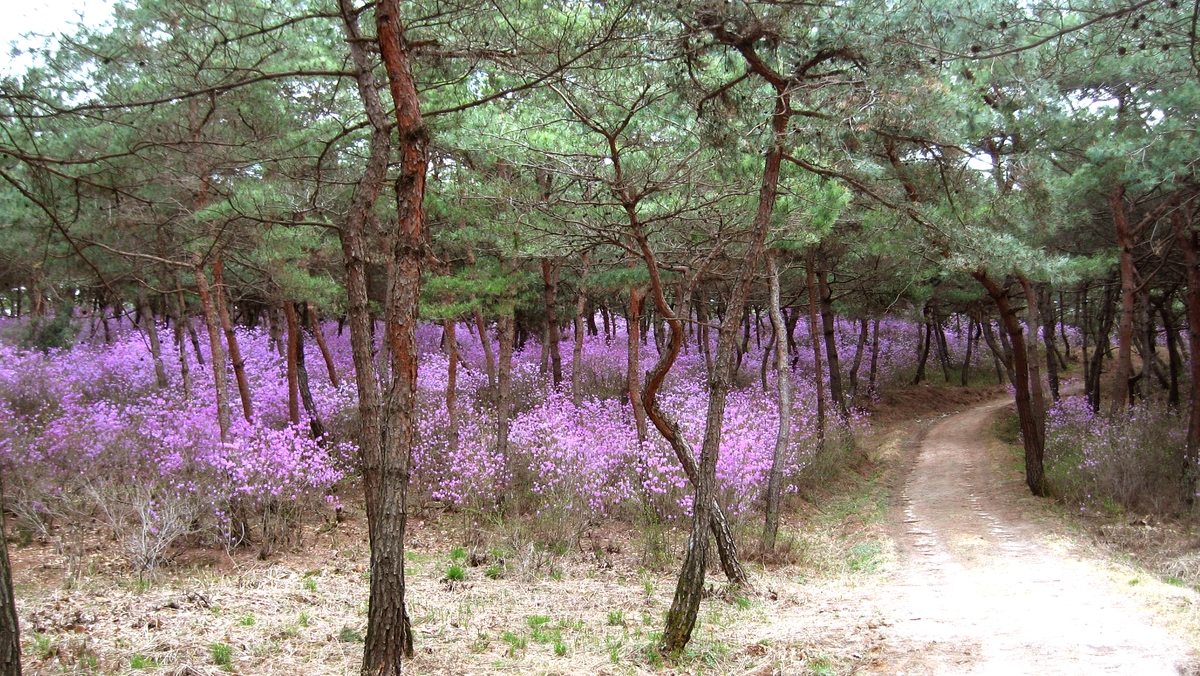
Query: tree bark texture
[783, 389]
[1032, 432]
[450, 342]
[10, 631]
[216, 350]
[859, 348]
[633, 366]
[505, 329]
[1124, 365]
[293, 349]
[150, 328]
[1189, 244]
[235, 350]
[829, 329]
[685, 605]
[314, 322]
[386, 423]
[551, 270]
[818, 371]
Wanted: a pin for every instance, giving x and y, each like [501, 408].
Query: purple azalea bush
[90, 436]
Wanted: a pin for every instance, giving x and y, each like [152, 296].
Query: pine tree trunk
[1124, 364]
[923, 352]
[1037, 397]
[10, 631]
[859, 348]
[216, 351]
[384, 458]
[150, 328]
[942, 347]
[1032, 427]
[185, 371]
[818, 371]
[1046, 308]
[293, 348]
[489, 358]
[550, 278]
[577, 328]
[296, 361]
[1189, 243]
[633, 365]
[829, 328]
[577, 350]
[235, 351]
[1174, 361]
[450, 342]
[873, 375]
[314, 322]
[966, 366]
[685, 605]
[191, 328]
[505, 329]
[783, 432]
[306, 398]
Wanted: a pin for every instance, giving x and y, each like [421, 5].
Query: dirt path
[982, 588]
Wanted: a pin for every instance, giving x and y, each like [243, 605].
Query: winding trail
[982, 589]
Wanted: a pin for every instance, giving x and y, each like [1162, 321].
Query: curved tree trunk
[1032, 430]
[685, 605]
[859, 348]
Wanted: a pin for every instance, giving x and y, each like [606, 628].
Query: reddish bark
[235, 351]
[550, 277]
[1032, 434]
[293, 348]
[314, 322]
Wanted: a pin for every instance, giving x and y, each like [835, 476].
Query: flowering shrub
[90, 434]
[1133, 461]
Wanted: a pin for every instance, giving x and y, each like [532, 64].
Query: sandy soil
[985, 586]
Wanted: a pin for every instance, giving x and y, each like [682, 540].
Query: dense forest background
[574, 259]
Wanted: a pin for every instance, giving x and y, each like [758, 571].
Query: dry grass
[594, 609]
[590, 603]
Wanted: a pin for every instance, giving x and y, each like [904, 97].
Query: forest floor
[928, 558]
